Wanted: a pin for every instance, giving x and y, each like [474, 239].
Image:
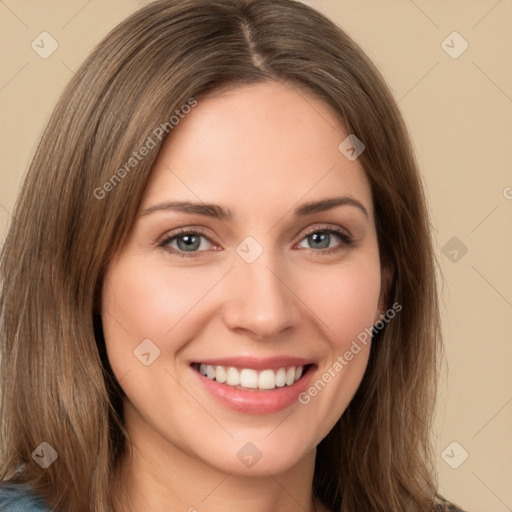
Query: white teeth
[281, 377]
[267, 379]
[233, 377]
[249, 378]
[210, 371]
[220, 374]
[290, 375]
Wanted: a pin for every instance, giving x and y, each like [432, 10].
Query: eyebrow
[217, 212]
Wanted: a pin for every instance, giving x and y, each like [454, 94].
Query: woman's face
[236, 268]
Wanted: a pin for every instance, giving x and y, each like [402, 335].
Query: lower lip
[256, 402]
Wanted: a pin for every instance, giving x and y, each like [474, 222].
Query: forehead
[255, 146]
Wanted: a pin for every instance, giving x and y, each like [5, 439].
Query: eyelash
[346, 241]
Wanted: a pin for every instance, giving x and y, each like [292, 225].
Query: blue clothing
[20, 498]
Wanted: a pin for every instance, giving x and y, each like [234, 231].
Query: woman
[218, 290]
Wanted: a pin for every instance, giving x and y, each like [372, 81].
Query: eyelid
[326, 227]
[183, 230]
[172, 235]
[343, 233]
[346, 239]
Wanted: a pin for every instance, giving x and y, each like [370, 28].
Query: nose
[260, 300]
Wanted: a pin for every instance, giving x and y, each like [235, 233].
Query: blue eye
[321, 239]
[187, 243]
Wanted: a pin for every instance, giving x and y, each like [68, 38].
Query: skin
[259, 151]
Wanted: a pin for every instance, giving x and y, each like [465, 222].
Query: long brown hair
[57, 386]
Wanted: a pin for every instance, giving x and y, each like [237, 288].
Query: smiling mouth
[248, 379]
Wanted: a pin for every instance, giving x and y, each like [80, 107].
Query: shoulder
[20, 498]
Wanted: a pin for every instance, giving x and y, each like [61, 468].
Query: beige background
[459, 111]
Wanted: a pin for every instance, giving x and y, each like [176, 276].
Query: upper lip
[256, 363]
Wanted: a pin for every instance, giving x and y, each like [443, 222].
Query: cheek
[346, 299]
[346, 303]
[144, 301]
